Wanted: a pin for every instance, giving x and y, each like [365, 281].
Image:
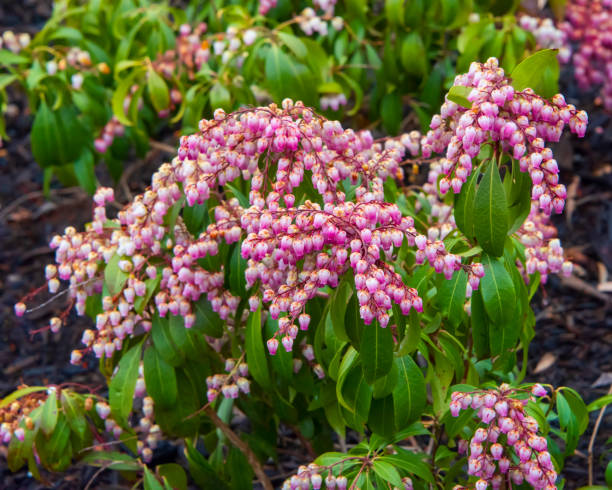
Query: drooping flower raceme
[300, 232]
[519, 122]
[506, 447]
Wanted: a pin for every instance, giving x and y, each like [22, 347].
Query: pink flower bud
[272, 346]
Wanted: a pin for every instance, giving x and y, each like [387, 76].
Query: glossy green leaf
[338, 308]
[391, 112]
[210, 322]
[376, 352]
[237, 269]
[540, 72]
[410, 462]
[49, 415]
[160, 378]
[220, 97]
[255, 350]
[158, 90]
[480, 326]
[459, 95]
[173, 476]
[85, 173]
[141, 302]
[381, 419]
[491, 212]
[163, 342]
[414, 55]
[73, 409]
[122, 385]
[409, 396]
[464, 204]
[150, 481]
[451, 296]
[497, 290]
[387, 472]
[114, 277]
[294, 43]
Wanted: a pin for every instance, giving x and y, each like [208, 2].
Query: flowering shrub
[104, 77]
[278, 268]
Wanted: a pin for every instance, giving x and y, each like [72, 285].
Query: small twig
[162, 146]
[35, 195]
[593, 436]
[242, 446]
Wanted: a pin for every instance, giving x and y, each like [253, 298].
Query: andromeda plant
[276, 226]
[103, 77]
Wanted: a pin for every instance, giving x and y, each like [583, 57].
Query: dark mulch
[573, 344]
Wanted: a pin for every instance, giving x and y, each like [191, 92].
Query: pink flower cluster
[543, 251]
[547, 35]
[112, 129]
[310, 477]
[293, 246]
[589, 25]
[505, 425]
[517, 122]
[149, 433]
[231, 384]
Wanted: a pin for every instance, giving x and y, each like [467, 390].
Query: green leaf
[150, 481]
[480, 326]
[338, 308]
[347, 363]
[9, 58]
[387, 472]
[410, 462]
[567, 421]
[173, 476]
[6, 79]
[409, 396]
[376, 352]
[73, 410]
[599, 403]
[120, 94]
[414, 55]
[294, 44]
[163, 342]
[7, 400]
[255, 350]
[206, 318]
[122, 385]
[160, 378]
[497, 291]
[288, 78]
[381, 419]
[391, 112]
[451, 296]
[220, 97]
[464, 204]
[540, 72]
[111, 459]
[114, 278]
[491, 212]
[357, 394]
[201, 470]
[141, 302]
[394, 13]
[49, 415]
[459, 95]
[158, 90]
[237, 269]
[84, 171]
